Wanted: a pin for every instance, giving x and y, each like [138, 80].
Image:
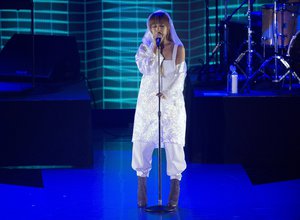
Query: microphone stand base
[160, 209]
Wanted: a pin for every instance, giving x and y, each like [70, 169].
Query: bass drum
[294, 52]
[287, 16]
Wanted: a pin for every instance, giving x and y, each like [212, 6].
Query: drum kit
[281, 33]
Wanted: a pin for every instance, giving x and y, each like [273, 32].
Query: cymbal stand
[276, 56]
[240, 57]
[249, 47]
[275, 41]
[289, 71]
[249, 50]
[249, 61]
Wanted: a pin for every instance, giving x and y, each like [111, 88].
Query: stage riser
[258, 132]
[45, 132]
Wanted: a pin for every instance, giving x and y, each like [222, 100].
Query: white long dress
[173, 114]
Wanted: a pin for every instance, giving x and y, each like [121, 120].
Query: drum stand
[290, 72]
[241, 56]
[249, 51]
[276, 57]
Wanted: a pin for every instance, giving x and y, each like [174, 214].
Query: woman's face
[159, 29]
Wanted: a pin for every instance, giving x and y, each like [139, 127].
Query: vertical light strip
[103, 55]
[51, 18]
[85, 41]
[119, 41]
[120, 49]
[189, 35]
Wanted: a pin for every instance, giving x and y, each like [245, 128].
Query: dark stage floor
[108, 190]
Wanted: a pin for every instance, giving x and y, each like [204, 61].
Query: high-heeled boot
[142, 192]
[174, 194]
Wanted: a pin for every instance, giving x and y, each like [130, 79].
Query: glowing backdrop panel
[109, 32]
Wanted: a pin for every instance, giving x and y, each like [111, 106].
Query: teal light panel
[109, 33]
[189, 20]
[50, 17]
[123, 26]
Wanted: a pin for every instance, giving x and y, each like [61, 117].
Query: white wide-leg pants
[142, 159]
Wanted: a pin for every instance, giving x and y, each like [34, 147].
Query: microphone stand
[159, 208]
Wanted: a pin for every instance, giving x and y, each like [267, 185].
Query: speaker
[54, 58]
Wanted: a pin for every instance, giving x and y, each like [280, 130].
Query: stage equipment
[249, 52]
[249, 39]
[266, 39]
[283, 34]
[293, 54]
[159, 208]
[286, 21]
[56, 59]
[226, 22]
[23, 4]
[205, 67]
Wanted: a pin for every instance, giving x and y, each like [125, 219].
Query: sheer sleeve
[146, 60]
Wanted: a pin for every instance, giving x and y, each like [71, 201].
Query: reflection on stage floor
[108, 190]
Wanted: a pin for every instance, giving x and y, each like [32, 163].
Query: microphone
[158, 40]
